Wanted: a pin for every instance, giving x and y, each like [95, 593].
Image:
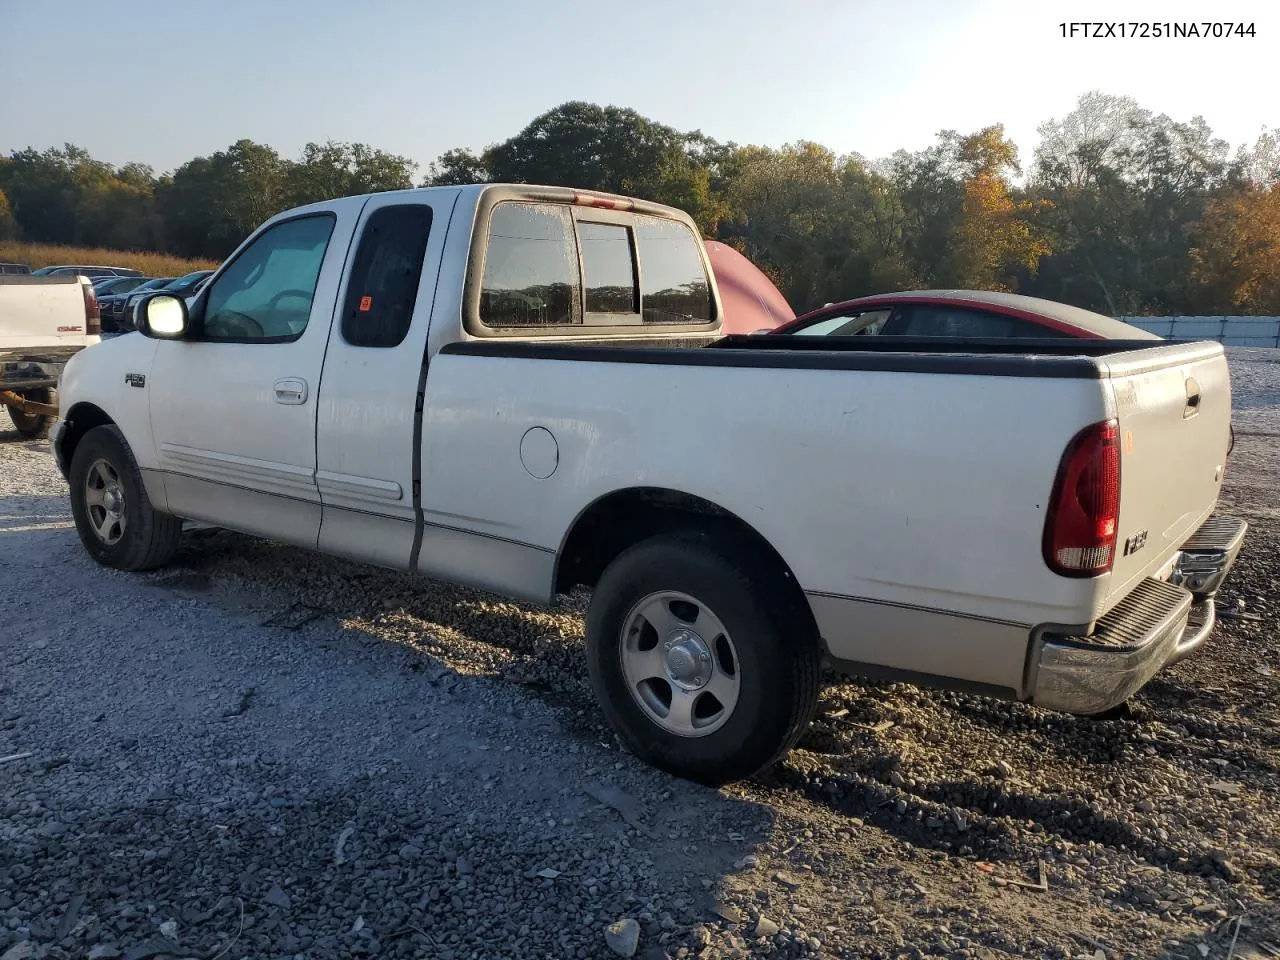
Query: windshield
[862, 323]
[156, 284]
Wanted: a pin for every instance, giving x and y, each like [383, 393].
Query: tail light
[1084, 510]
[92, 314]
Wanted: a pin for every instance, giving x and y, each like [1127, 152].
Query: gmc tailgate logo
[68, 329]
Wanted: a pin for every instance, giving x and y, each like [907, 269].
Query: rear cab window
[553, 268]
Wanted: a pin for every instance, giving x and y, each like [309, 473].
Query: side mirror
[161, 316]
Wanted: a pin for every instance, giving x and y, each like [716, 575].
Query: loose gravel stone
[623, 937]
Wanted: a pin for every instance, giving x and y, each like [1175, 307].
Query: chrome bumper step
[1208, 555]
[1156, 625]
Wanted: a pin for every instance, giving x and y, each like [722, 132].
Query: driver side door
[233, 406]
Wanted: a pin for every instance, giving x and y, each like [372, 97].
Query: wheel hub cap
[687, 659]
[113, 500]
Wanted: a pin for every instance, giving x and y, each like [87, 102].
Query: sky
[161, 81]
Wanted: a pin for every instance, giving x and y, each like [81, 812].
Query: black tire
[32, 426]
[777, 652]
[148, 538]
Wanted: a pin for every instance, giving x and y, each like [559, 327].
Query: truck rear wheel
[694, 660]
[33, 425]
[114, 517]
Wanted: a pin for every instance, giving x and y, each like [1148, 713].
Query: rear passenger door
[366, 435]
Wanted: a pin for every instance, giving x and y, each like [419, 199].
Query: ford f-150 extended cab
[43, 321]
[525, 389]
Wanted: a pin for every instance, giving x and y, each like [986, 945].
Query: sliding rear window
[554, 266]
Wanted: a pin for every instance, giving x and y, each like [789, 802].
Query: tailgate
[1174, 408]
[41, 312]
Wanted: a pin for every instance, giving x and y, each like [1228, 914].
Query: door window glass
[265, 294]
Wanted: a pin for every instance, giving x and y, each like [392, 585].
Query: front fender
[112, 376]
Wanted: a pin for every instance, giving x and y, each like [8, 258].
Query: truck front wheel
[114, 517]
[695, 660]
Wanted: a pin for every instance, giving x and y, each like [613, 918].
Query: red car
[978, 314]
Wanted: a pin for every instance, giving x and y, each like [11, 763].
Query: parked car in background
[526, 389]
[183, 286]
[10, 269]
[970, 314]
[188, 284]
[115, 305]
[85, 271]
[105, 286]
[752, 304]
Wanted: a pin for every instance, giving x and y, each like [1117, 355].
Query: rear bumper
[1159, 623]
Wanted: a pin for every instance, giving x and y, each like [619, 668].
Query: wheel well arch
[622, 518]
[80, 419]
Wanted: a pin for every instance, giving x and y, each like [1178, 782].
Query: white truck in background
[526, 389]
[44, 321]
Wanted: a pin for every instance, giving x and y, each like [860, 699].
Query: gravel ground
[266, 753]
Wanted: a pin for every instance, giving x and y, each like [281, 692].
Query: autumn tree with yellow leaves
[1236, 259]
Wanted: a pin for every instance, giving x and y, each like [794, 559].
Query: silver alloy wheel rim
[104, 502]
[680, 664]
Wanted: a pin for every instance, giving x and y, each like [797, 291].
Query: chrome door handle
[291, 390]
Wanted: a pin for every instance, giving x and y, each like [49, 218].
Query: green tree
[334, 170]
[1126, 186]
[212, 203]
[42, 188]
[821, 227]
[8, 225]
[455, 168]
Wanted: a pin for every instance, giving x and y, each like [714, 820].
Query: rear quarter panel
[915, 489]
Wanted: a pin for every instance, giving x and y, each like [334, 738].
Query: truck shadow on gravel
[971, 818]
[458, 631]
[444, 628]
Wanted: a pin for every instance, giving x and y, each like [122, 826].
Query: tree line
[1119, 210]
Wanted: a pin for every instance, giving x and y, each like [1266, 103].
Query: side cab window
[383, 287]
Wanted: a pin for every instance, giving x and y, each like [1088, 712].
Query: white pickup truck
[43, 321]
[524, 389]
